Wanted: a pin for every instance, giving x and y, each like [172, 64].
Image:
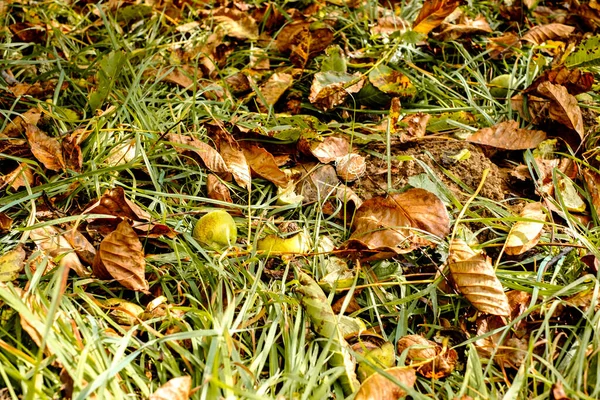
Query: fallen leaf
[318, 183]
[592, 181]
[507, 135]
[5, 222]
[325, 149]
[331, 88]
[263, 164]
[502, 45]
[564, 108]
[28, 32]
[71, 151]
[114, 203]
[392, 82]
[121, 257]
[17, 126]
[217, 190]
[540, 33]
[46, 149]
[416, 126]
[184, 76]
[509, 353]
[432, 14]
[235, 23]
[11, 264]
[236, 162]
[350, 167]
[271, 91]
[209, 156]
[175, 389]
[379, 387]
[389, 24]
[574, 80]
[399, 223]
[303, 41]
[20, 176]
[431, 359]
[82, 246]
[531, 108]
[53, 245]
[558, 392]
[466, 26]
[476, 279]
[524, 235]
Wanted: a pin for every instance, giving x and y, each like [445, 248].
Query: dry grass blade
[475, 278]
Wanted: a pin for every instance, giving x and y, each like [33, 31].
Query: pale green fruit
[499, 85]
[122, 311]
[216, 230]
[273, 244]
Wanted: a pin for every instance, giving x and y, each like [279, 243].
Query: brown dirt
[437, 155]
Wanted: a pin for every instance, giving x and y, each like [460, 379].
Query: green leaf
[110, 69]
[587, 54]
[334, 60]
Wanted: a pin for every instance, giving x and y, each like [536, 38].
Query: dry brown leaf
[12, 263]
[524, 235]
[318, 183]
[184, 76]
[46, 149]
[507, 135]
[82, 246]
[28, 32]
[217, 190]
[236, 162]
[235, 23]
[389, 24]
[503, 44]
[271, 91]
[5, 222]
[433, 14]
[558, 392]
[121, 257]
[417, 126]
[175, 389]
[574, 80]
[17, 127]
[592, 181]
[53, 244]
[466, 26]
[476, 279]
[431, 359]
[113, 202]
[350, 167]
[540, 33]
[533, 110]
[330, 89]
[303, 42]
[399, 223]
[71, 151]
[510, 353]
[20, 176]
[564, 108]
[325, 149]
[378, 387]
[209, 156]
[263, 164]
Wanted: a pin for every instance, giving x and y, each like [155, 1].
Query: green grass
[227, 322]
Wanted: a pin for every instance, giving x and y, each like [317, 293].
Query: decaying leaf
[509, 353]
[379, 387]
[392, 82]
[575, 80]
[592, 181]
[475, 277]
[325, 149]
[121, 257]
[399, 223]
[303, 41]
[114, 203]
[331, 88]
[431, 359]
[350, 167]
[11, 264]
[465, 26]
[564, 108]
[217, 190]
[433, 14]
[175, 389]
[416, 126]
[540, 33]
[503, 44]
[236, 163]
[209, 156]
[271, 91]
[82, 246]
[46, 149]
[524, 235]
[263, 164]
[20, 176]
[531, 108]
[17, 126]
[53, 244]
[5, 222]
[507, 135]
[235, 23]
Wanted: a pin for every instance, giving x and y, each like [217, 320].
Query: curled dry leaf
[379, 387]
[217, 190]
[466, 26]
[416, 126]
[540, 33]
[350, 167]
[433, 14]
[263, 164]
[121, 257]
[175, 389]
[20, 176]
[235, 23]
[575, 80]
[11, 264]
[509, 353]
[592, 181]
[5, 222]
[53, 244]
[399, 223]
[507, 135]
[331, 88]
[46, 149]
[113, 202]
[564, 108]
[431, 359]
[209, 156]
[236, 162]
[17, 127]
[503, 44]
[326, 149]
[82, 246]
[475, 277]
[524, 235]
[531, 108]
[271, 91]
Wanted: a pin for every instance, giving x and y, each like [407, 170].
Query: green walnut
[216, 230]
[499, 85]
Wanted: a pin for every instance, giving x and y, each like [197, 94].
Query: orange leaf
[175, 389]
[217, 190]
[236, 162]
[379, 387]
[121, 257]
[507, 135]
[209, 156]
[433, 14]
[271, 91]
[46, 149]
[540, 33]
[564, 109]
[475, 277]
[263, 163]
